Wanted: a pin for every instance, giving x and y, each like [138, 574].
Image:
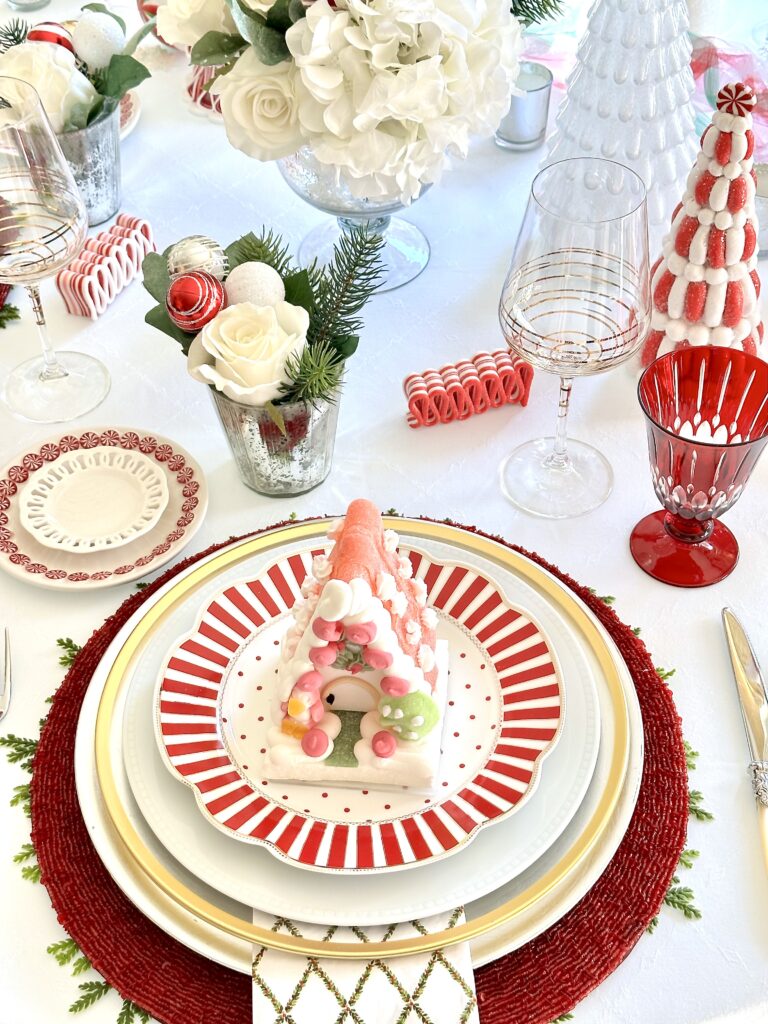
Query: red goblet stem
[690, 531]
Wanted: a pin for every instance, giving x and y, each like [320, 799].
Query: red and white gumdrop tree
[705, 284]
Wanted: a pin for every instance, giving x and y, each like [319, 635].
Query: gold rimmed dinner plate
[180, 894]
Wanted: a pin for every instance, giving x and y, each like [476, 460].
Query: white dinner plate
[252, 875]
[236, 954]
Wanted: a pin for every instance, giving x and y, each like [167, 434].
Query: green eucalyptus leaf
[279, 16]
[216, 48]
[138, 35]
[276, 416]
[158, 318]
[103, 9]
[97, 109]
[79, 115]
[298, 290]
[123, 73]
[268, 42]
[157, 280]
[297, 10]
[345, 344]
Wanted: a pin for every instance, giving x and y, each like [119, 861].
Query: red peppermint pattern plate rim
[199, 742]
[23, 557]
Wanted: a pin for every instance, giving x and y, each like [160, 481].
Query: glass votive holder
[761, 208]
[525, 123]
[23, 6]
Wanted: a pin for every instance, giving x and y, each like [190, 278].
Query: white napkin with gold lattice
[437, 987]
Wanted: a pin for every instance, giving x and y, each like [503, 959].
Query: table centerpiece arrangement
[81, 70]
[270, 340]
[362, 104]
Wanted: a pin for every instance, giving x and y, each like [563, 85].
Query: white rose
[183, 22]
[259, 106]
[66, 94]
[243, 351]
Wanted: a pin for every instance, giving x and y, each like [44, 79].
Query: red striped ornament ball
[194, 299]
[51, 32]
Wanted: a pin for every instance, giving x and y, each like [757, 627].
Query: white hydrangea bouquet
[80, 69]
[385, 91]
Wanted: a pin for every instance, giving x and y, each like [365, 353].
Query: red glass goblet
[706, 414]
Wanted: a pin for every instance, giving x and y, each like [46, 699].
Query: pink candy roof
[359, 553]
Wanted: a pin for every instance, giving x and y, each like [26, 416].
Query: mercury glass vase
[93, 154]
[406, 249]
[280, 464]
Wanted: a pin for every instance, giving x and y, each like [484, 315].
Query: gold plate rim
[184, 897]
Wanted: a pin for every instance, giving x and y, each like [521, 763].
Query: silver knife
[5, 692]
[754, 709]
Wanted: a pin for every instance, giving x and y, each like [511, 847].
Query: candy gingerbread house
[705, 284]
[362, 676]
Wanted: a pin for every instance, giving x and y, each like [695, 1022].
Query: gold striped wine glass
[43, 226]
[576, 302]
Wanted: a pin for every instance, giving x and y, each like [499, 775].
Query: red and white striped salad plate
[505, 713]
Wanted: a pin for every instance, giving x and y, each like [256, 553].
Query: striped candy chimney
[705, 285]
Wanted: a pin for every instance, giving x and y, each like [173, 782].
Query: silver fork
[5, 692]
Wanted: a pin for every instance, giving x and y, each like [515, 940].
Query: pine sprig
[266, 248]
[8, 312]
[680, 897]
[691, 756]
[695, 809]
[63, 951]
[91, 992]
[13, 33]
[130, 1013]
[531, 11]
[346, 285]
[687, 857]
[315, 374]
[25, 853]
[562, 1018]
[22, 798]
[70, 649]
[665, 674]
[31, 872]
[19, 750]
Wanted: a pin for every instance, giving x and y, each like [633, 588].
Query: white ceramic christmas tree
[629, 99]
[705, 284]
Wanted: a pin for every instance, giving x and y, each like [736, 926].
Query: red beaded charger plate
[504, 715]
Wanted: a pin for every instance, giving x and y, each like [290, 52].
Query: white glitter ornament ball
[198, 252]
[97, 37]
[254, 282]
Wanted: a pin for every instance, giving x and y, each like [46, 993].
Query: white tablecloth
[181, 175]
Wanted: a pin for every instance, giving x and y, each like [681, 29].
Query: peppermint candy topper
[705, 284]
[736, 98]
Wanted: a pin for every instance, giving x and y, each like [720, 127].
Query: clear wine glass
[43, 225]
[576, 301]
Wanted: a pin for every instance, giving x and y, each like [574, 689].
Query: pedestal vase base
[405, 253]
[682, 563]
[536, 482]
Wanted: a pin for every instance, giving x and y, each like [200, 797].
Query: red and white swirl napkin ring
[107, 263]
[470, 387]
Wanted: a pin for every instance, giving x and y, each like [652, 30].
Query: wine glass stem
[53, 370]
[559, 457]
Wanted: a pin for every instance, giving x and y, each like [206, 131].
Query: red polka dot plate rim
[23, 557]
[506, 707]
